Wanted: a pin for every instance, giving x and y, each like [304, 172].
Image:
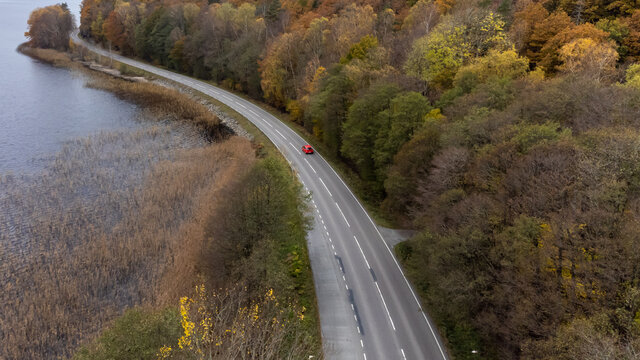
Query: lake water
[41, 107]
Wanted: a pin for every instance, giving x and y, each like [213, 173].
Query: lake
[42, 106]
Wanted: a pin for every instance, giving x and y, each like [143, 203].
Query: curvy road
[368, 309]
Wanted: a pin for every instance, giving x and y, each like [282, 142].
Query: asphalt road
[368, 309]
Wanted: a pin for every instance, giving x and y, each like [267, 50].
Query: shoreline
[147, 94]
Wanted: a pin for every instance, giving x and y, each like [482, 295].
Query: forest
[504, 132]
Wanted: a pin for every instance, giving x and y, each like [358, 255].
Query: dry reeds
[163, 101]
[116, 220]
[50, 56]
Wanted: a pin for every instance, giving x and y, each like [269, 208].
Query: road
[368, 309]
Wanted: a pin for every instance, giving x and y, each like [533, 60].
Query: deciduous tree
[589, 58]
[436, 57]
[363, 124]
[49, 27]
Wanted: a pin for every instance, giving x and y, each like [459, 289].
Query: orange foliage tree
[49, 27]
[119, 28]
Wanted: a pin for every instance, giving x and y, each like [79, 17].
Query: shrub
[136, 335]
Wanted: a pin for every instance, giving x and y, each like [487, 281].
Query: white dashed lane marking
[385, 306]
[362, 252]
[344, 217]
[325, 186]
[314, 170]
[295, 148]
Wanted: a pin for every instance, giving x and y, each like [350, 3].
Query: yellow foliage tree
[589, 57]
[632, 76]
[496, 64]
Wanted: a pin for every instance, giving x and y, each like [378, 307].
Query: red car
[307, 149]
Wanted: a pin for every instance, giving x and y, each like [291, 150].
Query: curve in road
[368, 309]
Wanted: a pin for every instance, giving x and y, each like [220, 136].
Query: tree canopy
[49, 27]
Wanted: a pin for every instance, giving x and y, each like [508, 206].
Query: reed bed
[163, 101]
[50, 56]
[116, 220]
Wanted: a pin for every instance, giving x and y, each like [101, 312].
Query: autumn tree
[435, 58]
[49, 27]
[422, 17]
[119, 28]
[545, 38]
[550, 52]
[348, 27]
[618, 31]
[93, 14]
[594, 10]
[280, 70]
[585, 56]
[632, 76]
[495, 65]
[367, 62]
[524, 24]
[543, 32]
[632, 40]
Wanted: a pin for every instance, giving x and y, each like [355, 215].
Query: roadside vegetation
[504, 132]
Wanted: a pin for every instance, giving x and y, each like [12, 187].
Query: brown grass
[117, 220]
[163, 101]
[50, 56]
